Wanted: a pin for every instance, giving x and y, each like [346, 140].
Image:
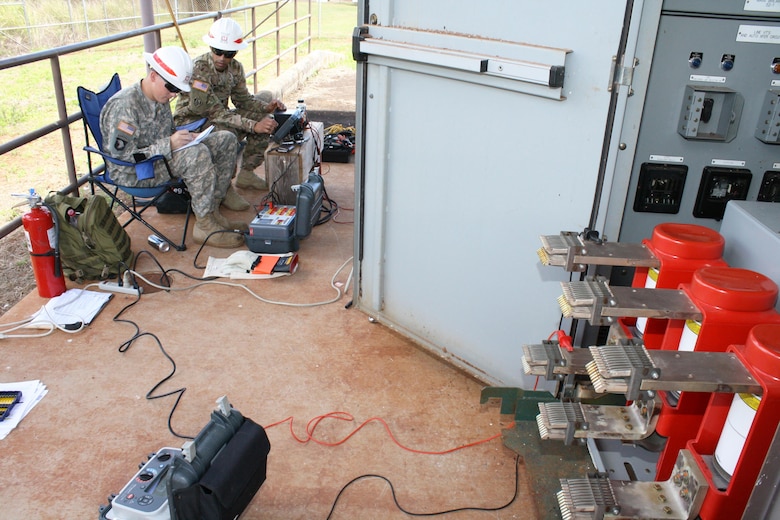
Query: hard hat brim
[224, 46]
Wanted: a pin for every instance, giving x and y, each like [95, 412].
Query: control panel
[710, 126]
[145, 497]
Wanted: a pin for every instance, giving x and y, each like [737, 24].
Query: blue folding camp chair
[91, 104]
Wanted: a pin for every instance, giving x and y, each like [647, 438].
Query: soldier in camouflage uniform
[137, 123]
[217, 79]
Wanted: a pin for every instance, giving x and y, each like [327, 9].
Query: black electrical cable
[329, 211]
[150, 395]
[190, 276]
[164, 280]
[317, 154]
[410, 513]
[273, 192]
[205, 243]
[125, 346]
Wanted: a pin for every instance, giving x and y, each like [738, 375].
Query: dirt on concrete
[16, 276]
[329, 89]
[329, 96]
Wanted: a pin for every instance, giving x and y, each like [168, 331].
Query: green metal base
[546, 461]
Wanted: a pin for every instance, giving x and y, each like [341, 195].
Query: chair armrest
[143, 169]
[114, 160]
[194, 126]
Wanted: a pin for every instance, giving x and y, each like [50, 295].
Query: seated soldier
[137, 123]
[218, 78]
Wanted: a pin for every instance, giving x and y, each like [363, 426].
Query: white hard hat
[173, 64]
[225, 34]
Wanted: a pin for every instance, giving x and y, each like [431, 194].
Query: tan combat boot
[206, 225]
[234, 201]
[230, 225]
[248, 179]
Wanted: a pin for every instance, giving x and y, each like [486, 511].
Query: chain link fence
[29, 25]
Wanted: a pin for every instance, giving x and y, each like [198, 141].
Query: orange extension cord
[311, 426]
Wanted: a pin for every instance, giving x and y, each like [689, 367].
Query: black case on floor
[230, 482]
[228, 466]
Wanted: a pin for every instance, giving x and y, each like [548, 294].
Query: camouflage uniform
[211, 91]
[135, 127]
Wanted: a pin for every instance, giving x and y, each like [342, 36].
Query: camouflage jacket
[211, 92]
[135, 128]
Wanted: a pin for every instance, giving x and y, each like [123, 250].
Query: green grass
[28, 99]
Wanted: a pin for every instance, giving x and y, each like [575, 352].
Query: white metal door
[470, 149]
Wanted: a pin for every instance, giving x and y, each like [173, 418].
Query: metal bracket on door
[358, 35]
[521, 67]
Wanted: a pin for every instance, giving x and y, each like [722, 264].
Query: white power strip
[124, 289]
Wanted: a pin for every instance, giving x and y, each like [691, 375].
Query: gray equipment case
[278, 229]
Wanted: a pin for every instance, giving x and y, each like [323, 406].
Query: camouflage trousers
[256, 144]
[207, 168]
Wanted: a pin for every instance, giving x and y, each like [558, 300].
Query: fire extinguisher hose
[56, 250]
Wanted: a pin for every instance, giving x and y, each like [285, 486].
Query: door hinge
[622, 75]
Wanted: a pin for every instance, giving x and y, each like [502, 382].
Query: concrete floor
[85, 439]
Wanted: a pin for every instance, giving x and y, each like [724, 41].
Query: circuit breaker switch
[569, 420]
[601, 304]
[574, 253]
[591, 497]
[768, 127]
[710, 113]
[596, 496]
[630, 363]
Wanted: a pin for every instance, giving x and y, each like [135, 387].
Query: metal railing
[65, 119]
[31, 22]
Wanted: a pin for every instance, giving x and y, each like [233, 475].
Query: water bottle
[302, 108]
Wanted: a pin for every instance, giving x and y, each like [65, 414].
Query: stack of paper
[71, 310]
[32, 392]
[200, 137]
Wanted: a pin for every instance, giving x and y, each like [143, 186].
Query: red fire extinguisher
[41, 229]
